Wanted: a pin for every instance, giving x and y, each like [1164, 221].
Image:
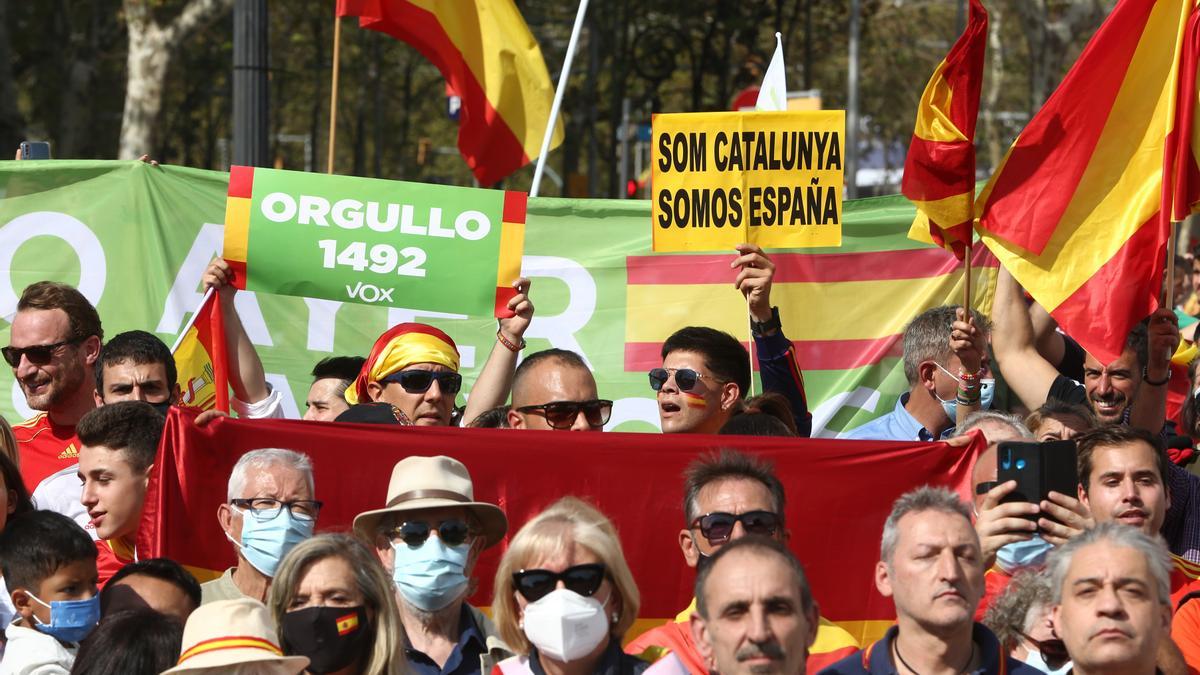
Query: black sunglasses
[717, 527]
[537, 584]
[419, 381]
[562, 414]
[452, 532]
[38, 355]
[685, 378]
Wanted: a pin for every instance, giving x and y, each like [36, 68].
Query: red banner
[838, 494]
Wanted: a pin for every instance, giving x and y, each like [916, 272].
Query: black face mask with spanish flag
[331, 637]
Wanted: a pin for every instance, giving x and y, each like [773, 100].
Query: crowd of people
[1099, 580]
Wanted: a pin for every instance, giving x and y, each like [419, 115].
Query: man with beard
[932, 568]
[53, 347]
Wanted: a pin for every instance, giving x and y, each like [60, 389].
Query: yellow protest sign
[768, 178]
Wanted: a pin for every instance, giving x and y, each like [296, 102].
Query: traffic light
[423, 147]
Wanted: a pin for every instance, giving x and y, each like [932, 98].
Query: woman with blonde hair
[564, 595]
[333, 603]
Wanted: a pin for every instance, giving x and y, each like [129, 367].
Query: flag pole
[1169, 291]
[967, 280]
[220, 357]
[333, 90]
[750, 351]
[558, 96]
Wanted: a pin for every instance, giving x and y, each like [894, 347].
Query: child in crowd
[49, 564]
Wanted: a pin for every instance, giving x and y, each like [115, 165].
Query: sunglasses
[582, 579]
[717, 527]
[562, 414]
[38, 355]
[453, 532]
[685, 378]
[419, 381]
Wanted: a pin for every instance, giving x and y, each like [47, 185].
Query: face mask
[70, 620]
[987, 391]
[331, 637]
[162, 407]
[1020, 555]
[565, 625]
[430, 576]
[1035, 660]
[265, 542]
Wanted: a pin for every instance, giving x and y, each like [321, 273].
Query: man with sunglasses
[53, 345]
[554, 389]
[270, 508]
[429, 537]
[727, 495]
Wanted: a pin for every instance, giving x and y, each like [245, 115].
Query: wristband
[759, 329]
[1156, 383]
[509, 344]
[970, 377]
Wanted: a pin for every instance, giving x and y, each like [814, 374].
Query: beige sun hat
[432, 483]
[231, 632]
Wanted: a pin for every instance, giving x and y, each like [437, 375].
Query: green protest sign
[375, 242]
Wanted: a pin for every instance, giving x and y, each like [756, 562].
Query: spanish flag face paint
[693, 400]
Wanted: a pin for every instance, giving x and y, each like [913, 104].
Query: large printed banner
[136, 238]
[396, 244]
[767, 178]
[838, 495]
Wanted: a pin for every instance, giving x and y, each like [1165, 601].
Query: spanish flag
[195, 357]
[347, 624]
[939, 172]
[1079, 210]
[488, 56]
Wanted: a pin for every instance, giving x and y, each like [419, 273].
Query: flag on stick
[772, 95]
[1078, 210]
[488, 56]
[939, 172]
[194, 358]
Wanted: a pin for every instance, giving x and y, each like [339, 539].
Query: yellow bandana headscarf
[400, 347]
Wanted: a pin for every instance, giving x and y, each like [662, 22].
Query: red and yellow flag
[939, 172]
[200, 359]
[1076, 209]
[488, 56]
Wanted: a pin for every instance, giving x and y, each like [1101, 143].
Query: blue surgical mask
[987, 391]
[70, 620]
[1019, 555]
[265, 542]
[430, 576]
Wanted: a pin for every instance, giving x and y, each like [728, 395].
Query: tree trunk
[995, 85]
[12, 124]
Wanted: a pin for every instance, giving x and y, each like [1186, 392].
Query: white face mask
[565, 625]
[1034, 660]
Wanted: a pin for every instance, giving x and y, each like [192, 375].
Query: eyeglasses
[717, 527]
[685, 378]
[38, 355]
[452, 532]
[562, 414]
[267, 509]
[582, 579]
[419, 381]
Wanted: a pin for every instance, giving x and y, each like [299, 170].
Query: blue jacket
[877, 659]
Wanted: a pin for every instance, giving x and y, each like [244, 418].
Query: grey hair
[1153, 548]
[1009, 614]
[980, 416]
[261, 459]
[927, 338]
[924, 498]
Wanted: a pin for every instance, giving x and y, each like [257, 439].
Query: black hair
[14, 482]
[1111, 435]
[137, 347]
[36, 545]
[136, 641]
[164, 569]
[768, 414]
[723, 355]
[762, 546]
[338, 368]
[1138, 341]
[133, 427]
[563, 357]
[494, 418]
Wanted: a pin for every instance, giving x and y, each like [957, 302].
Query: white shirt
[32, 652]
[62, 492]
[270, 407]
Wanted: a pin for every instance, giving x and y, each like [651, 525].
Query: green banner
[370, 241]
[136, 239]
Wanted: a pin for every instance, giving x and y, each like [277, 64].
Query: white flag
[772, 96]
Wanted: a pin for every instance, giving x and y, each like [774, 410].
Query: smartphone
[35, 150]
[1038, 469]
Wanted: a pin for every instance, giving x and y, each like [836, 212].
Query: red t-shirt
[111, 555]
[995, 580]
[45, 448]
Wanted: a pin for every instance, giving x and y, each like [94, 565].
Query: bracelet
[967, 401]
[509, 344]
[970, 377]
[1156, 383]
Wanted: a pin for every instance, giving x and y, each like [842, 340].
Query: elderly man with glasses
[727, 495]
[270, 509]
[429, 536]
[555, 389]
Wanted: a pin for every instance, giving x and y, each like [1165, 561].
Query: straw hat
[431, 483]
[231, 632]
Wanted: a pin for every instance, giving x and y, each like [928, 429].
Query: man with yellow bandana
[414, 367]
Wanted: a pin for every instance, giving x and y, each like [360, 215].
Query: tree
[151, 46]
